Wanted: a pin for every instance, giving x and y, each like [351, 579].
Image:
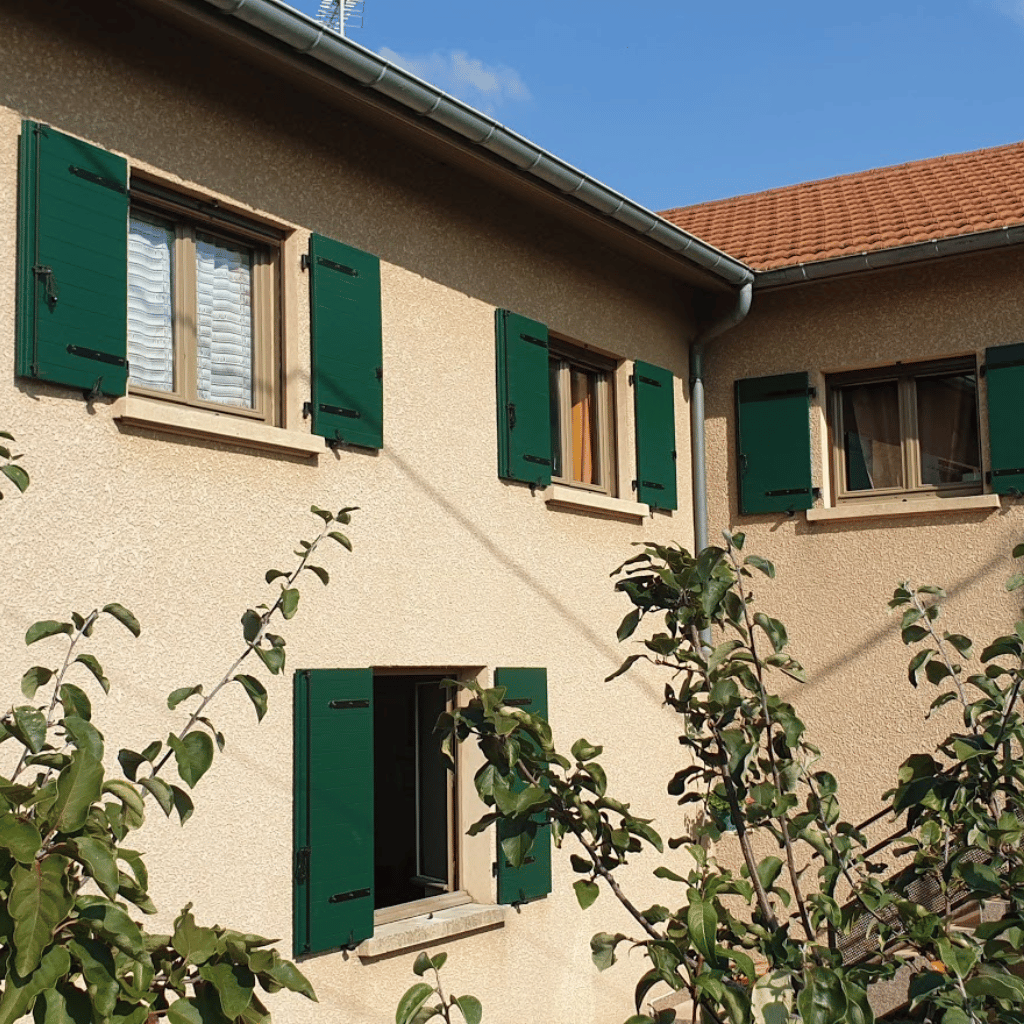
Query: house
[864, 427]
[247, 266]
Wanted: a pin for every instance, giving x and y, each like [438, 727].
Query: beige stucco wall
[835, 577]
[452, 567]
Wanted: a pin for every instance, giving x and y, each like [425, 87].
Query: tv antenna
[336, 14]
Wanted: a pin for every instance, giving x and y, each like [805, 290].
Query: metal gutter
[307, 36]
[884, 258]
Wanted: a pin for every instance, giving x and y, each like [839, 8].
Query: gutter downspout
[698, 459]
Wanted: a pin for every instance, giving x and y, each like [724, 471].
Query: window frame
[571, 355]
[453, 896]
[905, 375]
[189, 217]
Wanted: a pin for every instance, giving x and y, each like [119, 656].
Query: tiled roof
[882, 208]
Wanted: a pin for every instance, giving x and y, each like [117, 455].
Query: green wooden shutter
[655, 407]
[773, 428]
[72, 262]
[1004, 377]
[345, 336]
[526, 688]
[524, 399]
[333, 808]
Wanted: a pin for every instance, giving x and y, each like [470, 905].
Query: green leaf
[161, 792]
[37, 905]
[129, 797]
[980, 877]
[184, 1011]
[470, 1008]
[768, 871]
[98, 858]
[130, 762]
[702, 923]
[760, 563]
[411, 1002]
[125, 617]
[274, 574]
[289, 603]
[93, 665]
[234, 984]
[22, 838]
[78, 788]
[272, 657]
[625, 666]
[290, 977]
[194, 943]
[822, 1001]
[16, 475]
[317, 511]
[182, 693]
[628, 625]
[252, 623]
[84, 735]
[421, 965]
[320, 573]
[257, 694]
[586, 892]
[182, 804]
[999, 986]
[47, 627]
[34, 678]
[29, 726]
[341, 539]
[97, 963]
[602, 949]
[194, 755]
[75, 701]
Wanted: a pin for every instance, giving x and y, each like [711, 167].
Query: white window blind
[224, 325]
[150, 311]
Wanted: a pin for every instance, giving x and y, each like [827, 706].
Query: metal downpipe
[698, 453]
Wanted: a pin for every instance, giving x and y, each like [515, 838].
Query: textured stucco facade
[452, 567]
[835, 575]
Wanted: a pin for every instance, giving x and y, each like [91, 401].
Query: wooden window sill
[983, 503]
[581, 500]
[180, 419]
[431, 928]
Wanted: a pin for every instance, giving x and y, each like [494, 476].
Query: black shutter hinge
[675, 455]
[380, 373]
[302, 865]
[304, 261]
[511, 415]
[307, 410]
[632, 380]
[347, 705]
[634, 485]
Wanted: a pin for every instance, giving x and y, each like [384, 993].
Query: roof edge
[880, 259]
[307, 36]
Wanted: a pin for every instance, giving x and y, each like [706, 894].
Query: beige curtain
[584, 427]
[871, 419]
[947, 412]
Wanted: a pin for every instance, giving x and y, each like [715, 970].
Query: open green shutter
[524, 399]
[72, 262]
[333, 808]
[1004, 377]
[526, 688]
[345, 336]
[773, 428]
[654, 403]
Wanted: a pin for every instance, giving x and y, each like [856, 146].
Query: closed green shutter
[333, 808]
[345, 336]
[1004, 377]
[72, 262]
[655, 407]
[773, 428]
[526, 688]
[524, 399]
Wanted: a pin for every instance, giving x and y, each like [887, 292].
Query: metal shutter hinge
[302, 865]
[511, 415]
[304, 261]
[307, 410]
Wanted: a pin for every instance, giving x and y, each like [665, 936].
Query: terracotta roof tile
[878, 209]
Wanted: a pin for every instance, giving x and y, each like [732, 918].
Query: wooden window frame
[453, 896]
[568, 356]
[189, 218]
[905, 375]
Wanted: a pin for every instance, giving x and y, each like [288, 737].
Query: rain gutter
[896, 257]
[307, 36]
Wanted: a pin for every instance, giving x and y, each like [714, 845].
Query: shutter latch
[302, 865]
[511, 415]
[51, 283]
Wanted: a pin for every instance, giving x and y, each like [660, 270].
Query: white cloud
[470, 79]
[1011, 8]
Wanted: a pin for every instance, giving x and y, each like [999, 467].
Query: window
[582, 439]
[906, 430]
[414, 847]
[200, 314]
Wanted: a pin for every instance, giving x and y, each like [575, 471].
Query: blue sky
[678, 101]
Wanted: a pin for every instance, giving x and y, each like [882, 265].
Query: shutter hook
[51, 283]
[94, 392]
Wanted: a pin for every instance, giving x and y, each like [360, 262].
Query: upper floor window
[906, 430]
[582, 417]
[200, 314]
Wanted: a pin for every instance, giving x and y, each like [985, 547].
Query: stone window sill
[180, 419]
[430, 928]
[581, 500]
[983, 503]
